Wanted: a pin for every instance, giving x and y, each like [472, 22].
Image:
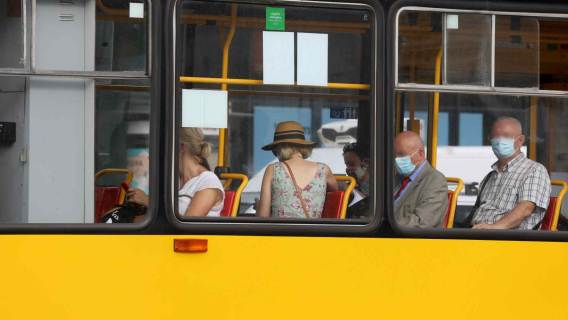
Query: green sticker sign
[275, 19]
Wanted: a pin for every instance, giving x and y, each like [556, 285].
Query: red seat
[548, 219]
[106, 198]
[228, 203]
[332, 205]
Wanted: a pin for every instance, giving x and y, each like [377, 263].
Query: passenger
[356, 165]
[201, 192]
[515, 194]
[421, 192]
[293, 187]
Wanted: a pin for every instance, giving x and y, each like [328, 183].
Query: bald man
[515, 194]
[421, 192]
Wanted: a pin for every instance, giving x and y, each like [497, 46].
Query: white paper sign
[136, 10]
[312, 59]
[452, 22]
[277, 57]
[204, 108]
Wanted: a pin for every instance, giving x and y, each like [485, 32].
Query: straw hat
[289, 132]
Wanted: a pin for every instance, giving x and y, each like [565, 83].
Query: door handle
[190, 245]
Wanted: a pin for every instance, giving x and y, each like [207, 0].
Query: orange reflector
[190, 245]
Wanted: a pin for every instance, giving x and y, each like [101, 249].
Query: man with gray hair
[515, 194]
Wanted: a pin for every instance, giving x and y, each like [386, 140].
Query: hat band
[278, 137]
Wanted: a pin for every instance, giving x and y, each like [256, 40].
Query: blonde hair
[285, 151]
[193, 141]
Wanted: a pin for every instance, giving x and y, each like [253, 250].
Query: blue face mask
[404, 165]
[503, 147]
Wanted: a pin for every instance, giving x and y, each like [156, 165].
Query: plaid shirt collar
[511, 164]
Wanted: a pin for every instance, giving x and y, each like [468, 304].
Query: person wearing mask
[356, 165]
[201, 192]
[421, 192]
[293, 187]
[515, 194]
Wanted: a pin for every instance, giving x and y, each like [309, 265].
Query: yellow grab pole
[254, 82]
[533, 127]
[225, 74]
[433, 152]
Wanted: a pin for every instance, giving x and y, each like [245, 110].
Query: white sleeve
[209, 181]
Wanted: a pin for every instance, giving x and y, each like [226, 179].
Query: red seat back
[447, 218]
[106, 198]
[547, 220]
[228, 203]
[332, 205]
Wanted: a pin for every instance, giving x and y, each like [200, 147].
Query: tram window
[419, 43]
[66, 132]
[471, 117]
[93, 35]
[517, 50]
[11, 35]
[468, 49]
[332, 114]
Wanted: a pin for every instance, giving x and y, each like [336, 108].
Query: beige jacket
[424, 203]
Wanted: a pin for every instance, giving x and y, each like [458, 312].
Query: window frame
[151, 222]
[244, 225]
[537, 9]
[29, 14]
[461, 88]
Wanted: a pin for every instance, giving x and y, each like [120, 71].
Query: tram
[94, 94]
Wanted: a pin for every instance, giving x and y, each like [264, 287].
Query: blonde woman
[201, 193]
[294, 187]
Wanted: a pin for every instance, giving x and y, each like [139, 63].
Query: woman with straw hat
[293, 187]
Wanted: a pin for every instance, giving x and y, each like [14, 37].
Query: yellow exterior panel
[140, 277]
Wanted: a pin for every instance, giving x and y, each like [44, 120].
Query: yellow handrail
[127, 179]
[244, 181]
[254, 82]
[556, 215]
[225, 74]
[433, 152]
[453, 204]
[351, 184]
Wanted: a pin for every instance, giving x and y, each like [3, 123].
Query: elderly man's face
[408, 147]
[508, 129]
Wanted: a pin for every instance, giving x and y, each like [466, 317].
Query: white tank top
[206, 180]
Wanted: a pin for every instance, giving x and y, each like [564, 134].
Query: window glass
[517, 51]
[93, 35]
[469, 155]
[419, 43]
[68, 145]
[334, 112]
[468, 49]
[11, 34]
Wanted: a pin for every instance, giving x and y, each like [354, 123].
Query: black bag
[123, 214]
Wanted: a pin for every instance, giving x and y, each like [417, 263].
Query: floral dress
[285, 203]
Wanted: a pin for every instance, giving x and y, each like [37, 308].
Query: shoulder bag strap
[298, 190]
[469, 219]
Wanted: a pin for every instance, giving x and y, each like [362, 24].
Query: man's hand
[489, 226]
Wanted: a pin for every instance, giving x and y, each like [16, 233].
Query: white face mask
[360, 172]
